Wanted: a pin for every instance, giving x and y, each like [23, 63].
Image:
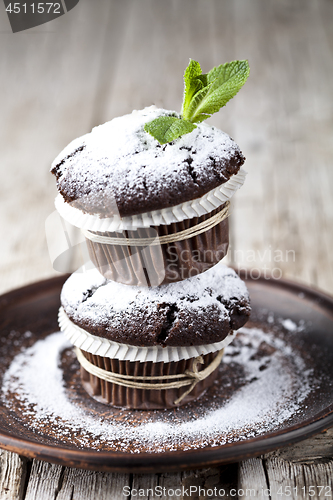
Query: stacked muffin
[150, 322]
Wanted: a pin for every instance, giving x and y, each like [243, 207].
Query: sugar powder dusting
[275, 381]
[119, 163]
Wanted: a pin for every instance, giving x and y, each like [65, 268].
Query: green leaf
[168, 128]
[195, 103]
[224, 83]
[192, 83]
[204, 94]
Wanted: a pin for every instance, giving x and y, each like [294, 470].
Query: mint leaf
[195, 103]
[192, 83]
[168, 128]
[204, 94]
[224, 82]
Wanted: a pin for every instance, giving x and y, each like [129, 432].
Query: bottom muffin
[147, 399]
[128, 339]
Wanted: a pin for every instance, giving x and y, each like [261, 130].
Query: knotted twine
[162, 240]
[189, 377]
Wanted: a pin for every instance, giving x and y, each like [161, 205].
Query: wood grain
[286, 479]
[315, 450]
[13, 471]
[85, 485]
[252, 477]
[104, 59]
[44, 482]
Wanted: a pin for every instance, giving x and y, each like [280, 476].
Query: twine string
[162, 240]
[189, 377]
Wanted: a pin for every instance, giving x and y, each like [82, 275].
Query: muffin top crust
[200, 310]
[119, 169]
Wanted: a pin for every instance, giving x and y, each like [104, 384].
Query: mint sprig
[167, 128]
[204, 94]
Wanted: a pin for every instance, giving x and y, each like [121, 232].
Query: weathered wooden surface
[13, 472]
[276, 478]
[105, 58]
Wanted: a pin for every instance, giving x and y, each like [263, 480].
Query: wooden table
[106, 57]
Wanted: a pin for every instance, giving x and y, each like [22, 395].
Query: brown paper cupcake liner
[144, 399]
[154, 265]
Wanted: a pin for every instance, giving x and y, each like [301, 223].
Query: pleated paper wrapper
[115, 350]
[139, 361]
[194, 208]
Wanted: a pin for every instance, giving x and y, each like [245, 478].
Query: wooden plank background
[107, 57]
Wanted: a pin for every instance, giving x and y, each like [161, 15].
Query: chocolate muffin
[151, 213]
[134, 333]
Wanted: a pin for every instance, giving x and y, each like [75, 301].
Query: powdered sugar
[274, 384]
[196, 292]
[289, 325]
[119, 163]
[89, 297]
[183, 211]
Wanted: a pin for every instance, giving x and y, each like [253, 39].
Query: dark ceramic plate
[34, 308]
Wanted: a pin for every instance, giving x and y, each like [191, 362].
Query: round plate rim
[172, 460]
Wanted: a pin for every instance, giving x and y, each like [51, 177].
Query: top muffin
[119, 169]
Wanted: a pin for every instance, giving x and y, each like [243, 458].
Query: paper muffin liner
[143, 399]
[153, 265]
[193, 208]
[105, 348]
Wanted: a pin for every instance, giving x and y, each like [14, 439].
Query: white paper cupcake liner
[111, 349]
[194, 208]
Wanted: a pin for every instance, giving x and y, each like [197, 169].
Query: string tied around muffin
[165, 239]
[189, 378]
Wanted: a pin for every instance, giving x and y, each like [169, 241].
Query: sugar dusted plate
[275, 387]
